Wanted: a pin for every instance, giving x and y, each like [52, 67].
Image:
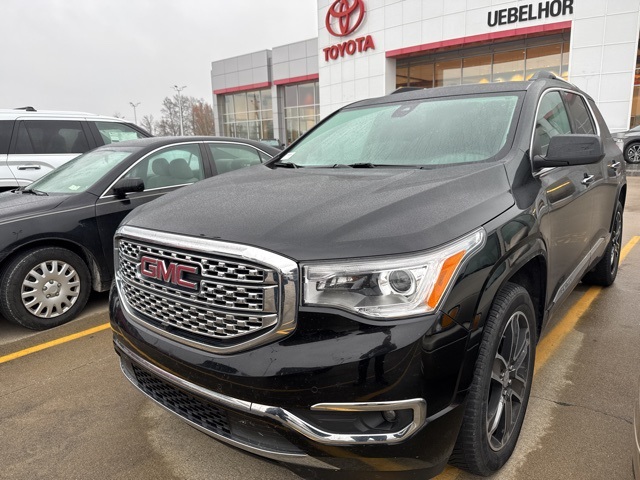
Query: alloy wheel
[508, 386]
[616, 240]
[633, 153]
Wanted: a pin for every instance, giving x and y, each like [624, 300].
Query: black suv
[372, 298]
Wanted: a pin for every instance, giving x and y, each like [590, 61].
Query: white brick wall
[604, 41]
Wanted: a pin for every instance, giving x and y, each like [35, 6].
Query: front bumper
[310, 390]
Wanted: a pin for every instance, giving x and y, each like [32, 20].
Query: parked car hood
[313, 214]
[16, 205]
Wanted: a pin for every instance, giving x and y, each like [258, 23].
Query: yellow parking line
[53, 343]
[552, 340]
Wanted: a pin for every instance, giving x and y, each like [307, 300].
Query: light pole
[179, 89]
[135, 117]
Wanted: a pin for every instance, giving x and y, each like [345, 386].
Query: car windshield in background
[431, 133]
[80, 173]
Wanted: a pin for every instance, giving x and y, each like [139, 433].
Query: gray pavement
[68, 413]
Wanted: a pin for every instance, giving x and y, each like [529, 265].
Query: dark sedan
[56, 235]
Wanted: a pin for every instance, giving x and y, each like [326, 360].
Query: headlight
[390, 288]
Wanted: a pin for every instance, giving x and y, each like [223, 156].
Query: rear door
[7, 180]
[568, 227]
[39, 146]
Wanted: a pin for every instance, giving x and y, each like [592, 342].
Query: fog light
[390, 416]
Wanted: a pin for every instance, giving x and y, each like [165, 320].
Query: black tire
[632, 153]
[484, 444]
[606, 270]
[52, 271]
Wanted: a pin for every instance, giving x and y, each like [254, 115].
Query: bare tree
[148, 123]
[202, 115]
[197, 117]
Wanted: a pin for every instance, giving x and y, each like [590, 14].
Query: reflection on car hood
[18, 205]
[313, 214]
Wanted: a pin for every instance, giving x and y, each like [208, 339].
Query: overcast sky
[98, 55]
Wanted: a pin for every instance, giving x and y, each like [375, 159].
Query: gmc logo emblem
[172, 273]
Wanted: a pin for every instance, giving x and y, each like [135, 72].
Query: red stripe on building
[243, 88]
[304, 78]
[454, 42]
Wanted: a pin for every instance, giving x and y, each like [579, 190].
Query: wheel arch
[98, 281]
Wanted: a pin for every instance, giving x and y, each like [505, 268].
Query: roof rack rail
[546, 74]
[26, 109]
[405, 89]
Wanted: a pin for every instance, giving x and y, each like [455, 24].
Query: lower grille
[187, 406]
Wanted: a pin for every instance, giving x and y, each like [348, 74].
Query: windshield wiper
[354, 165]
[32, 191]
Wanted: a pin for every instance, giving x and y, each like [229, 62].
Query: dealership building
[369, 48]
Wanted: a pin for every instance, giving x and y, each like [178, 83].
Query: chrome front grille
[231, 298]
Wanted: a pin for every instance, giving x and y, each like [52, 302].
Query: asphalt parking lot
[67, 412]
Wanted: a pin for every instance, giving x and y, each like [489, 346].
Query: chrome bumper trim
[293, 422]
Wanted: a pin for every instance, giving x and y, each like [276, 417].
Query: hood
[16, 205]
[315, 214]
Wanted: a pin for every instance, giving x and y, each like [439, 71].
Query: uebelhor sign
[344, 17]
[525, 13]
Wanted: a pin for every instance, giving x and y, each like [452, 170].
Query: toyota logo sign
[344, 17]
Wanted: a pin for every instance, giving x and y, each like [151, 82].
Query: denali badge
[156, 268]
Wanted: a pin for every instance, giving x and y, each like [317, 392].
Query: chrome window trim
[533, 131]
[186, 142]
[287, 285]
[108, 189]
[295, 423]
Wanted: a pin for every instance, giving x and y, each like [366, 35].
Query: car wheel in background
[499, 393]
[44, 287]
[632, 153]
[606, 270]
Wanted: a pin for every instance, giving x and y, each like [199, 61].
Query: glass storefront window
[547, 57]
[476, 69]
[448, 73]
[422, 76]
[301, 109]
[499, 62]
[248, 114]
[508, 66]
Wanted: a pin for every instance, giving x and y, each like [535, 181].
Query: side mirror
[565, 150]
[127, 185]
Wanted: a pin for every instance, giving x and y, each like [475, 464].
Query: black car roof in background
[156, 142]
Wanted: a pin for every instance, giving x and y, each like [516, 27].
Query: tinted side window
[112, 132]
[51, 136]
[177, 165]
[552, 120]
[228, 157]
[582, 122]
[6, 127]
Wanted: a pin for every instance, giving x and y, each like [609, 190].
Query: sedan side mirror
[127, 185]
[565, 150]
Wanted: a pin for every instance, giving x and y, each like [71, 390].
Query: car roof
[155, 142]
[29, 112]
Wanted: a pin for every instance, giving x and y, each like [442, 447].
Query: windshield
[434, 132]
[79, 174]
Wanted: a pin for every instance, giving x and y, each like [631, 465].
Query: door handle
[29, 167]
[616, 165]
[588, 179]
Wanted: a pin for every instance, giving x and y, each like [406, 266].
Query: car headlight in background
[393, 287]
